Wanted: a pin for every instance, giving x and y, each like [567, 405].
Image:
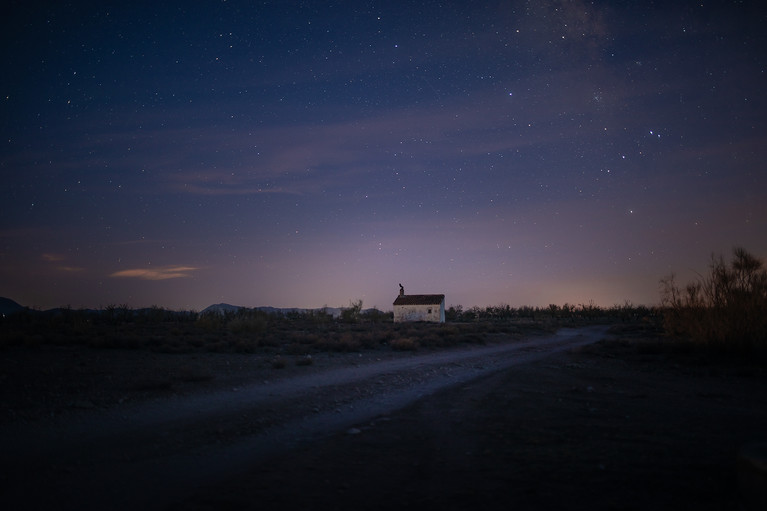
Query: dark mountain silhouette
[8, 306]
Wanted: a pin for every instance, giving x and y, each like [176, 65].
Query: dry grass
[252, 331]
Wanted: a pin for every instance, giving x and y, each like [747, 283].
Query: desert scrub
[247, 323]
[343, 342]
[404, 344]
[726, 309]
[245, 344]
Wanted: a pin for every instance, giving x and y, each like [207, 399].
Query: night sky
[303, 154]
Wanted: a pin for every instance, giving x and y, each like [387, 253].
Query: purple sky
[297, 154]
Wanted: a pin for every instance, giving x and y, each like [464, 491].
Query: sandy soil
[612, 425]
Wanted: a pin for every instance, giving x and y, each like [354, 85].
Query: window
[429, 310]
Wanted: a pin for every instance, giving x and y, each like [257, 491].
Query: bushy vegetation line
[725, 310]
[294, 333]
[555, 314]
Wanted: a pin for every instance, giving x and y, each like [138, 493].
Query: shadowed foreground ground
[604, 427]
[620, 424]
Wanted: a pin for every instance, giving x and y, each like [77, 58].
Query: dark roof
[419, 299]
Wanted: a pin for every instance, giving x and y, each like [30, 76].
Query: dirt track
[506, 425]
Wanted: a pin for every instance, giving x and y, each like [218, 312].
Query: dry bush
[270, 339]
[373, 339]
[432, 339]
[210, 322]
[247, 324]
[303, 337]
[344, 342]
[348, 341]
[404, 344]
[244, 344]
[726, 309]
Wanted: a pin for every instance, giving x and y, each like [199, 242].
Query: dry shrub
[344, 342]
[210, 322]
[348, 342]
[431, 339]
[247, 324]
[726, 310]
[304, 337]
[271, 339]
[245, 344]
[372, 339]
[404, 344]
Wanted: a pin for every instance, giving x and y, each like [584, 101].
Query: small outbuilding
[419, 307]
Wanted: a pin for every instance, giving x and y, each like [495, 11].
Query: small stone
[353, 431]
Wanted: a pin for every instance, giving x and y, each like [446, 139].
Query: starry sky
[307, 154]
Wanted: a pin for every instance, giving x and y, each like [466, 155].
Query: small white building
[419, 307]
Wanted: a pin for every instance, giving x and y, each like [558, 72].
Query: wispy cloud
[161, 273]
[59, 261]
[53, 258]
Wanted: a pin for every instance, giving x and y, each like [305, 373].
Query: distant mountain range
[8, 306]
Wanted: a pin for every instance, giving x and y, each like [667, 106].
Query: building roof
[419, 299]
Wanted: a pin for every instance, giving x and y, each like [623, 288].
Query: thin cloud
[70, 269]
[162, 273]
[60, 259]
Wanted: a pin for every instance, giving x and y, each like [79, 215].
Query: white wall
[420, 313]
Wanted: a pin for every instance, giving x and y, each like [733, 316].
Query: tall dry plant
[727, 308]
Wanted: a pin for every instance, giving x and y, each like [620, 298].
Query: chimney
[401, 290]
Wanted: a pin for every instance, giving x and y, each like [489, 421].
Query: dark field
[636, 421]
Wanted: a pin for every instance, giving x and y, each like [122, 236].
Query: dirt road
[156, 454]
